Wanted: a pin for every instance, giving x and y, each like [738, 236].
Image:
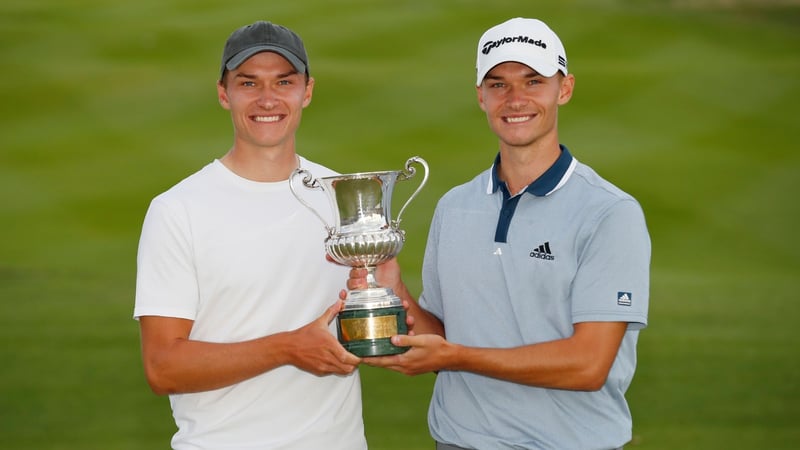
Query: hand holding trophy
[364, 235]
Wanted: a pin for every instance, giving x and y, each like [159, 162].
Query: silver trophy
[364, 235]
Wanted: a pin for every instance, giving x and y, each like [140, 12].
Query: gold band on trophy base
[367, 327]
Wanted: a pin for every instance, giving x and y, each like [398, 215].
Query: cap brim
[242, 56]
[538, 64]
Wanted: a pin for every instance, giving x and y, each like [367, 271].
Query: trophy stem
[372, 283]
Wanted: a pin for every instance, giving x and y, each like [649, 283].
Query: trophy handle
[406, 174]
[311, 183]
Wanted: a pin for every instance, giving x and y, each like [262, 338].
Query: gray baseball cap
[263, 37]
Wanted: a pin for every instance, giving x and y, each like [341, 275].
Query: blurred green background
[691, 106]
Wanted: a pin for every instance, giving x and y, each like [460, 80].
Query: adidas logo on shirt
[543, 252]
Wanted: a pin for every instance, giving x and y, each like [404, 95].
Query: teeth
[267, 118]
[517, 119]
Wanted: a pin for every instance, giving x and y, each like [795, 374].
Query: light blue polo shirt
[506, 270]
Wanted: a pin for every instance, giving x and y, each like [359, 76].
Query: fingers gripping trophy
[364, 235]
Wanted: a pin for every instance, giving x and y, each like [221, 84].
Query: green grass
[689, 106]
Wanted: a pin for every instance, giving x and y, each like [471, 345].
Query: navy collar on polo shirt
[548, 182]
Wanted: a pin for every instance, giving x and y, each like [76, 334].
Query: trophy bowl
[364, 235]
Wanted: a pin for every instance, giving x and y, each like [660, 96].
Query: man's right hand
[315, 350]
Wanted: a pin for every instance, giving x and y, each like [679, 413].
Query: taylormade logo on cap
[527, 41]
[487, 47]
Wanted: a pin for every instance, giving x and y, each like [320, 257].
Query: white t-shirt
[245, 259]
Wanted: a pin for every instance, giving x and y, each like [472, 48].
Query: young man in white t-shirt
[234, 295]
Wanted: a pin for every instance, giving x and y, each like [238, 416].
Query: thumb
[332, 311]
[402, 340]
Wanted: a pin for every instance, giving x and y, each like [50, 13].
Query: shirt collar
[552, 179]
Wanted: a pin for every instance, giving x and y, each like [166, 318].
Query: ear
[309, 92]
[222, 96]
[566, 89]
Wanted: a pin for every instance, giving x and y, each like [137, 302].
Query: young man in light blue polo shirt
[535, 279]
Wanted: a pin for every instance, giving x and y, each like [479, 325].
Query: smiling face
[266, 96]
[522, 106]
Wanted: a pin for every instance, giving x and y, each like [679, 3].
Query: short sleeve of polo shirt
[612, 280]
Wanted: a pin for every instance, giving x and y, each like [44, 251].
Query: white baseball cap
[527, 41]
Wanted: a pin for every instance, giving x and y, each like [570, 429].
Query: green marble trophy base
[367, 332]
